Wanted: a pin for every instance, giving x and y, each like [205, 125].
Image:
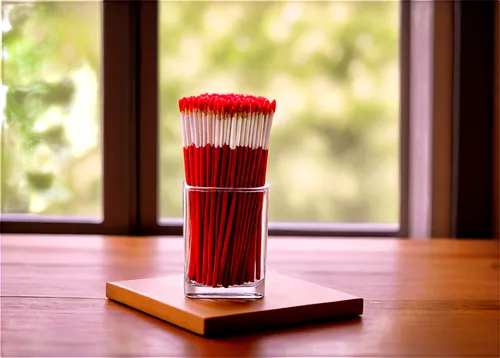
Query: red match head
[227, 105]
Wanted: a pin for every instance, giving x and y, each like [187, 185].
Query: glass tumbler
[225, 235]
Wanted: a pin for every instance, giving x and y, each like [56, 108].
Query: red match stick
[225, 144]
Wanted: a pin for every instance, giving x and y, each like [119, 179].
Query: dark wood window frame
[130, 138]
[451, 119]
[473, 121]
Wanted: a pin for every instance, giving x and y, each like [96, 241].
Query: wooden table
[423, 298]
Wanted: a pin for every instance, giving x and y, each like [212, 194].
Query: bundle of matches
[225, 140]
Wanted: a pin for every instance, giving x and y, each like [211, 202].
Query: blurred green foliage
[333, 68]
[50, 142]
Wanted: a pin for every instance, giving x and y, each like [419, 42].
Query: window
[333, 67]
[51, 137]
[88, 50]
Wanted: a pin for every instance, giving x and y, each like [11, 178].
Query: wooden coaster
[287, 301]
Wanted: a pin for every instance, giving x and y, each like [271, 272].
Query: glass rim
[265, 187]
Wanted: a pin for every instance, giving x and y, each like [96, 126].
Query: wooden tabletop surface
[425, 298]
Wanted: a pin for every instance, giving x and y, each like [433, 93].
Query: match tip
[227, 104]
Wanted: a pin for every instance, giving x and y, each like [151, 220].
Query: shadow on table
[267, 342]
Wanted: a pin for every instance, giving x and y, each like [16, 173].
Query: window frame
[451, 118]
[473, 120]
[130, 155]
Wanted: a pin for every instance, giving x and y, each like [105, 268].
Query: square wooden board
[287, 301]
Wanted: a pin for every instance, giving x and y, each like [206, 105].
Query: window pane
[51, 131]
[333, 68]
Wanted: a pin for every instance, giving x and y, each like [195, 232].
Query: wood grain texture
[427, 298]
[287, 301]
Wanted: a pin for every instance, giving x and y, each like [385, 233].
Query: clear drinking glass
[225, 234]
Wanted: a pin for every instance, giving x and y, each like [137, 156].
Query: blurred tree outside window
[333, 68]
[51, 160]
